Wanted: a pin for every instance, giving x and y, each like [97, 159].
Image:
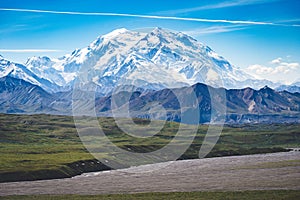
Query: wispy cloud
[214, 29]
[20, 27]
[225, 4]
[146, 16]
[296, 22]
[29, 50]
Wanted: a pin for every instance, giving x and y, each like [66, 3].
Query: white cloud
[144, 16]
[281, 67]
[28, 50]
[260, 69]
[276, 61]
[279, 70]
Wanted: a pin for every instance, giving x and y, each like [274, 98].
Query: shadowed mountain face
[242, 105]
[265, 100]
[19, 96]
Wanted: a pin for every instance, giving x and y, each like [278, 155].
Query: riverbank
[275, 171]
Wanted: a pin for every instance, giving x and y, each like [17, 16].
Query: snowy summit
[154, 60]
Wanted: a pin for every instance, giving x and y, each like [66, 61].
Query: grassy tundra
[36, 147]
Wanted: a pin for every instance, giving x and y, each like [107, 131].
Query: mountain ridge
[155, 64]
[153, 60]
[243, 105]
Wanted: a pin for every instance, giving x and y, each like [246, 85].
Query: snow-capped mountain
[154, 60]
[15, 70]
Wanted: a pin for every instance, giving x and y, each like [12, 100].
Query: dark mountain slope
[240, 105]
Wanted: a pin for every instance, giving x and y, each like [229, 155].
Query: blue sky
[260, 36]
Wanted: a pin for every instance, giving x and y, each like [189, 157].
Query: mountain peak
[114, 33]
[158, 31]
[162, 31]
[266, 88]
[4, 61]
[107, 37]
[38, 59]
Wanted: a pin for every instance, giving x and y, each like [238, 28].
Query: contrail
[146, 16]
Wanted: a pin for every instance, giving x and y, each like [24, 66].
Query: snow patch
[251, 106]
[214, 55]
[212, 75]
[69, 76]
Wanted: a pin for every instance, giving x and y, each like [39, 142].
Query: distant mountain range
[153, 62]
[290, 88]
[243, 105]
